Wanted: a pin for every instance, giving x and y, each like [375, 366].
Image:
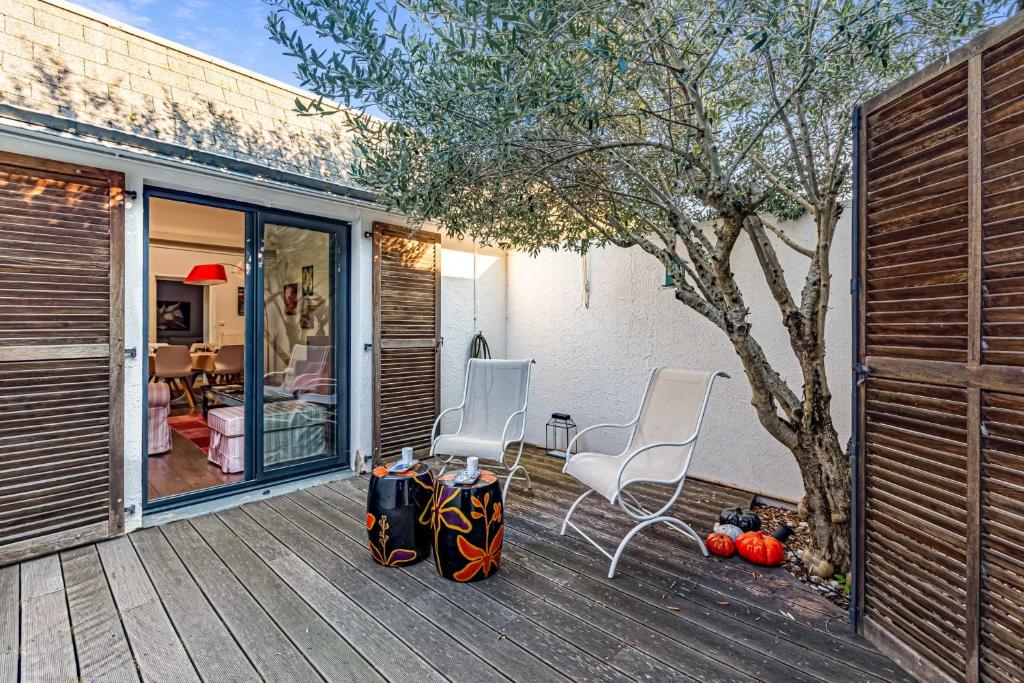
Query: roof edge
[88, 132]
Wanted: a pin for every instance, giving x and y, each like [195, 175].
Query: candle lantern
[558, 432]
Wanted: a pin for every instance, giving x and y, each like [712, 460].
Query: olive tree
[679, 127]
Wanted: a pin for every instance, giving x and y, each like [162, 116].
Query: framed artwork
[291, 298]
[241, 301]
[173, 316]
[307, 280]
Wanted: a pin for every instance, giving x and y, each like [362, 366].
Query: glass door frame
[256, 217]
[339, 333]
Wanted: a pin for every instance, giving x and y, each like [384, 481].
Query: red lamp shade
[207, 274]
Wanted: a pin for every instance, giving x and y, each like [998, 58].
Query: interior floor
[185, 467]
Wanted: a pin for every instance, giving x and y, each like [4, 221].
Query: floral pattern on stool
[398, 515]
[468, 527]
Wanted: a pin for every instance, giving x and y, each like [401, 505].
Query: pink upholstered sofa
[159, 432]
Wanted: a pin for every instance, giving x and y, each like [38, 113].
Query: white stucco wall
[592, 362]
[473, 289]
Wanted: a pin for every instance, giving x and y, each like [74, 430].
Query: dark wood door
[941, 407]
[61, 355]
[406, 338]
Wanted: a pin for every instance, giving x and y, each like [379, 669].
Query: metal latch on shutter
[861, 371]
[132, 352]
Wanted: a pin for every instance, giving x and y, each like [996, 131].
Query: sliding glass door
[262, 395]
[301, 290]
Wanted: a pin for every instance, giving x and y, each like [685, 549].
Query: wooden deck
[285, 590]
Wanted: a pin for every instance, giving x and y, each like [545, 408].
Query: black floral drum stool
[398, 515]
[468, 527]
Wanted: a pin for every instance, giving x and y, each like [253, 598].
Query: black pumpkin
[744, 519]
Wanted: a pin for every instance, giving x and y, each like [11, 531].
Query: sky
[232, 30]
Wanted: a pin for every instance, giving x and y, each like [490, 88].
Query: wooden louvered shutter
[915, 432]
[407, 336]
[61, 355]
[941, 196]
[1000, 473]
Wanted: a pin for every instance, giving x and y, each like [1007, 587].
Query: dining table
[202, 361]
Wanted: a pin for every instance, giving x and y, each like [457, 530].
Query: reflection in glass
[299, 382]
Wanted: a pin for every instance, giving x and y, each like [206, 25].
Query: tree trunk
[825, 468]
[811, 436]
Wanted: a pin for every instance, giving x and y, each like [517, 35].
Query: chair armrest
[568, 447]
[437, 423]
[508, 423]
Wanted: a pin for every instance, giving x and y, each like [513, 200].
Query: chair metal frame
[510, 472]
[634, 508]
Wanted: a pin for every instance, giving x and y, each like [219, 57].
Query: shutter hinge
[131, 352]
[854, 285]
[861, 371]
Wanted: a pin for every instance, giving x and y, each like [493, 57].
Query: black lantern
[558, 432]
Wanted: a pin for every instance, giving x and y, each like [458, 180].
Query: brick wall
[56, 61]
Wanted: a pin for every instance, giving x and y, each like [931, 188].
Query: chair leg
[672, 521]
[508, 480]
[187, 383]
[444, 465]
[512, 470]
[572, 509]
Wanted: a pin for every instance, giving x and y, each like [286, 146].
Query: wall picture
[291, 298]
[241, 301]
[173, 316]
[307, 280]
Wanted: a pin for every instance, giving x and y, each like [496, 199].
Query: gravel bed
[771, 517]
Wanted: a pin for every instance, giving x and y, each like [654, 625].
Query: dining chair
[173, 365]
[228, 365]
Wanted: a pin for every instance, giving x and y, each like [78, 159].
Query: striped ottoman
[292, 430]
[227, 438]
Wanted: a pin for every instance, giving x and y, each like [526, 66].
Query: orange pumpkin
[721, 544]
[755, 547]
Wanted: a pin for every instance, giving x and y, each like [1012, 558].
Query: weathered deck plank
[284, 589]
[694, 662]
[502, 652]
[100, 641]
[309, 538]
[576, 662]
[213, 651]
[159, 653]
[10, 626]
[334, 658]
[381, 648]
[48, 651]
[270, 650]
[635, 664]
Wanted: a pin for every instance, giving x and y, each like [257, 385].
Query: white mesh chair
[492, 416]
[661, 444]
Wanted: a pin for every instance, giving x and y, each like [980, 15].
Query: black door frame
[255, 218]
